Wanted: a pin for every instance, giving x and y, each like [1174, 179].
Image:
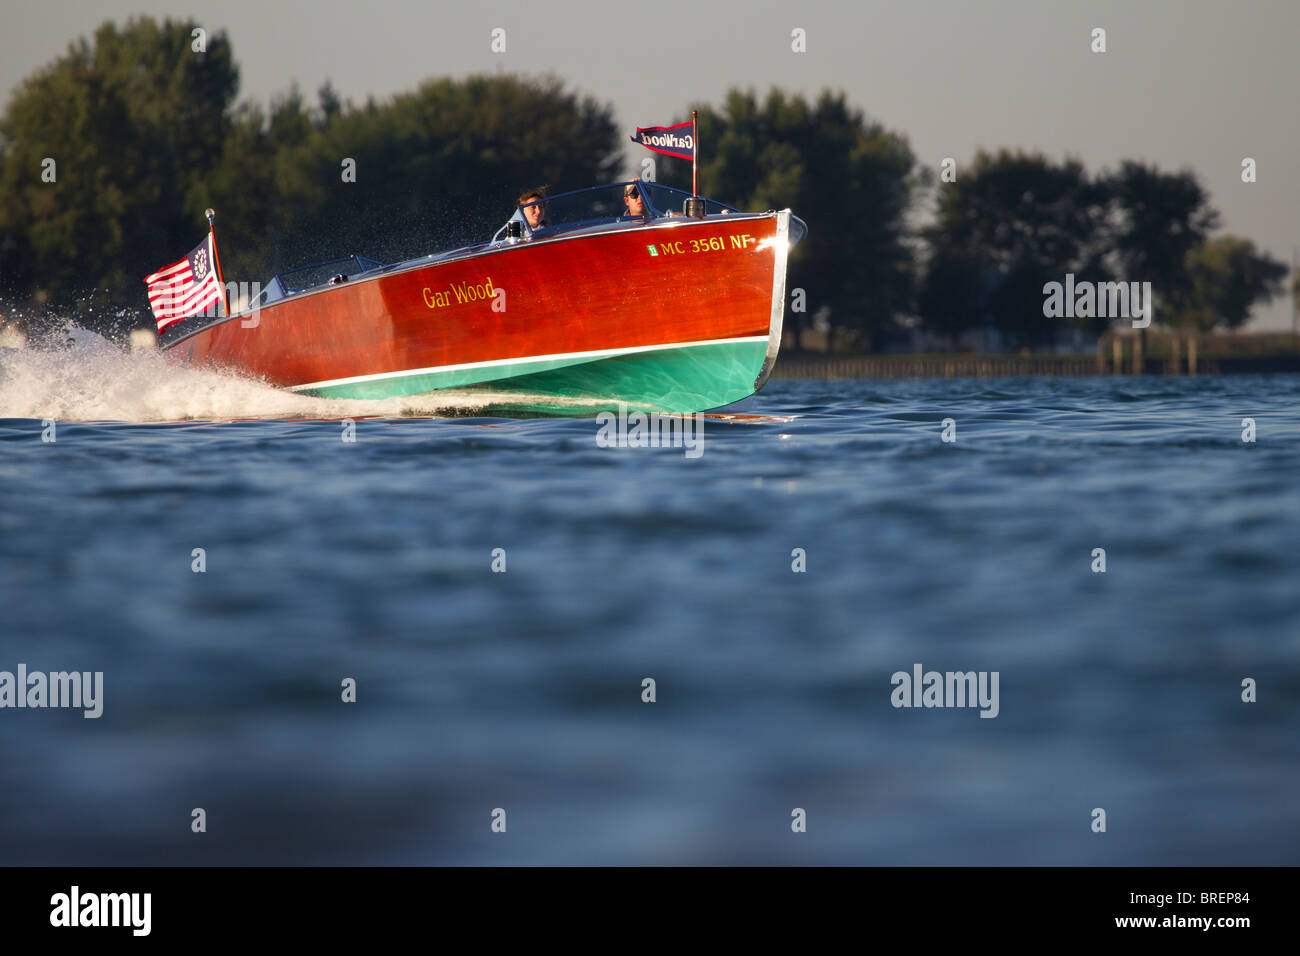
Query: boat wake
[90, 379]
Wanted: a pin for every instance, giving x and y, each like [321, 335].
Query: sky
[1183, 84]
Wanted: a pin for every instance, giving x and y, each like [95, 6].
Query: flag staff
[216, 259]
[695, 155]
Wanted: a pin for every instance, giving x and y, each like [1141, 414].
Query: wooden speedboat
[666, 312]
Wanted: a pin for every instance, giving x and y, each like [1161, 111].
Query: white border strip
[599, 353]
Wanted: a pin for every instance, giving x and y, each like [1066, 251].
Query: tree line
[109, 154]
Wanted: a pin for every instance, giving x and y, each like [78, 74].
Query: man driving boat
[633, 202]
[530, 210]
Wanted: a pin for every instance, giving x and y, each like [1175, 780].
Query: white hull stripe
[558, 356]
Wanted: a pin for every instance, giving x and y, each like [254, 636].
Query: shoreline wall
[801, 365]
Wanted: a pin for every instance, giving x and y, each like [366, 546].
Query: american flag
[185, 288]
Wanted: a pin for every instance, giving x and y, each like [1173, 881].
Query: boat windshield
[308, 277]
[603, 205]
[317, 274]
[667, 201]
[585, 207]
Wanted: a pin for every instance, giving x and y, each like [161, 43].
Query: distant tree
[133, 122]
[953, 295]
[438, 166]
[849, 178]
[1295, 290]
[144, 135]
[1155, 221]
[1008, 225]
[241, 188]
[1227, 277]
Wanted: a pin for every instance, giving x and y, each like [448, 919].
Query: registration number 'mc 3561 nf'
[708, 244]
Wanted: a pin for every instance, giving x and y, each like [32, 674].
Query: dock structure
[1116, 355]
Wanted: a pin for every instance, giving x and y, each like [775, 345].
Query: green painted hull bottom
[670, 381]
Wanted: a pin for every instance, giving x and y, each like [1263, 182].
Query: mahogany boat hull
[676, 316]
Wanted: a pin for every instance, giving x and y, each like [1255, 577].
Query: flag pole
[212, 233]
[695, 155]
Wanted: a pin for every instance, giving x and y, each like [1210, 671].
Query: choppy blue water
[522, 690]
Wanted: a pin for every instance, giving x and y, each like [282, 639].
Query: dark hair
[528, 195]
